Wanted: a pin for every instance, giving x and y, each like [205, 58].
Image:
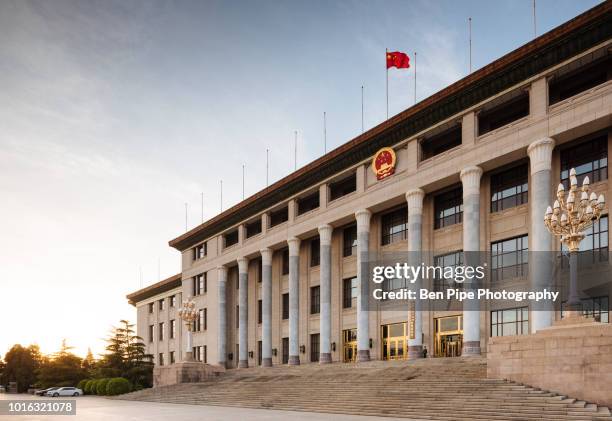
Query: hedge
[81, 384]
[118, 386]
[101, 387]
[89, 387]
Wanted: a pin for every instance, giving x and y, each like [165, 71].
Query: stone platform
[573, 358]
[184, 372]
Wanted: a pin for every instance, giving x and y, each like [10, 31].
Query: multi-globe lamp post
[188, 313]
[572, 214]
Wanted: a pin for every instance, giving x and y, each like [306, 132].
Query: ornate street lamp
[570, 216]
[187, 313]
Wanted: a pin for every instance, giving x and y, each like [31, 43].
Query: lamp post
[570, 216]
[187, 313]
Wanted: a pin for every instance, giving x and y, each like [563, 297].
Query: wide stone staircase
[436, 389]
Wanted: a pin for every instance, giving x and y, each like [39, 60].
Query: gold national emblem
[383, 163]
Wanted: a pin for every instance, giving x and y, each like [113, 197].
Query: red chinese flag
[398, 59]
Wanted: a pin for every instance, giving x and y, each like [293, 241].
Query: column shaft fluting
[243, 313]
[266, 289]
[294, 301]
[415, 229]
[222, 322]
[325, 233]
[363, 257]
[470, 178]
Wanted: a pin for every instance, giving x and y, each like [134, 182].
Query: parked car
[65, 391]
[43, 392]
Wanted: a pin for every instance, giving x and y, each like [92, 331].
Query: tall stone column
[470, 178]
[294, 300]
[540, 256]
[363, 256]
[222, 322]
[415, 228]
[325, 234]
[243, 313]
[266, 289]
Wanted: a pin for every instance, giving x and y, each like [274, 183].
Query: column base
[470, 348]
[363, 355]
[243, 364]
[266, 362]
[222, 364]
[325, 358]
[294, 360]
[415, 351]
[188, 357]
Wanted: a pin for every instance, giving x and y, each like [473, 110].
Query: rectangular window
[308, 203]
[394, 284]
[172, 329]
[172, 357]
[509, 188]
[286, 306]
[349, 292]
[451, 260]
[314, 347]
[151, 333]
[259, 312]
[161, 331]
[162, 304]
[315, 252]
[253, 228]
[200, 284]
[199, 353]
[161, 358]
[596, 307]
[315, 300]
[173, 301]
[343, 187]
[503, 114]
[442, 142]
[594, 247]
[510, 322]
[285, 350]
[259, 352]
[200, 324]
[394, 226]
[151, 308]
[579, 80]
[588, 158]
[448, 208]
[230, 238]
[509, 258]
[277, 217]
[237, 317]
[199, 251]
[349, 241]
[285, 261]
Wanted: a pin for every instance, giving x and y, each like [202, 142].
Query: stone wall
[572, 358]
[184, 372]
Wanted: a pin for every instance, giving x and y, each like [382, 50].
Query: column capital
[363, 220]
[266, 256]
[243, 264]
[470, 178]
[294, 246]
[415, 198]
[222, 269]
[325, 233]
[540, 154]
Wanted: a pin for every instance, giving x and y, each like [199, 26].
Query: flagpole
[361, 108]
[470, 36]
[221, 194]
[415, 54]
[324, 132]
[242, 181]
[535, 32]
[295, 151]
[202, 194]
[387, 85]
[267, 167]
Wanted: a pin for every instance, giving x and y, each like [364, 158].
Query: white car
[65, 391]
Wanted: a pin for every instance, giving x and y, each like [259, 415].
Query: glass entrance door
[349, 345]
[395, 341]
[449, 336]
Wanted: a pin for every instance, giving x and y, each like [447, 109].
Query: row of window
[199, 354]
[161, 331]
[161, 304]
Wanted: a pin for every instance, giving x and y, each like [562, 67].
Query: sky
[114, 114]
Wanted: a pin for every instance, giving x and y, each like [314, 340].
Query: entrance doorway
[349, 345]
[395, 341]
[448, 336]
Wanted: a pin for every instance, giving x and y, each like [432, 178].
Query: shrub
[87, 389]
[118, 386]
[101, 387]
[81, 384]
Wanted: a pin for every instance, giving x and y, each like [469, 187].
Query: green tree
[89, 362]
[21, 365]
[61, 369]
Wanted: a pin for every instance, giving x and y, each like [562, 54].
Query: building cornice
[157, 288]
[560, 44]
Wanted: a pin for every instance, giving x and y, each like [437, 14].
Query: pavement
[96, 408]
